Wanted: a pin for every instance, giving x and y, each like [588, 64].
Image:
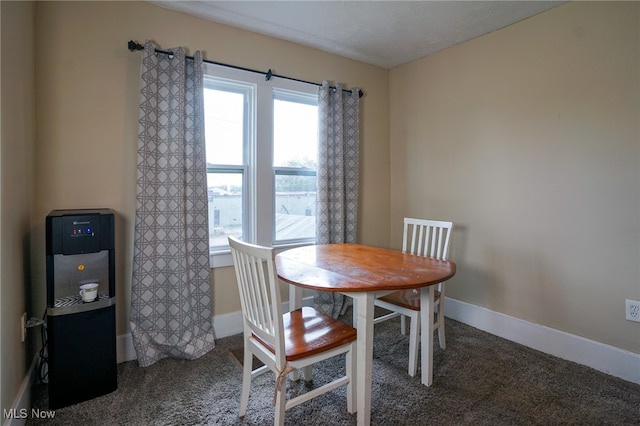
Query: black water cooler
[81, 335]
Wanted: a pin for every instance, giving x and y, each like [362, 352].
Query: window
[295, 153]
[261, 143]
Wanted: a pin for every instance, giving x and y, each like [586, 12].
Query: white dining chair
[428, 238]
[285, 342]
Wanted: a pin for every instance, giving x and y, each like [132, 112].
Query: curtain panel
[171, 288]
[338, 176]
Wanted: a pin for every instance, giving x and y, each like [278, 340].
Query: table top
[356, 267]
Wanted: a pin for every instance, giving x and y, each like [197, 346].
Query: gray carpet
[479, 379]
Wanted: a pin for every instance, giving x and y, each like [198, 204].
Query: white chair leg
[403, 324]
[350, 368]
[281, 400]
[308, 373]
[441, 336]
[246, 380]
[414, 339]
[295, 375]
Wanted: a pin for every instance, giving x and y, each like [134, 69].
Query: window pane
[295, 207]
[295, 134]
[225, 207]
[224, 128]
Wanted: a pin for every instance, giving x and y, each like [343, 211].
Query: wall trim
[23, 398]
[599, 356]
[124, 348]
[223, 325]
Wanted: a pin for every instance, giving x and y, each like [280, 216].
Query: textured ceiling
[382, 33]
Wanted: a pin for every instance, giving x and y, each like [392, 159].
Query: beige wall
[529, 136]
[88, 86]
[528, 139]
[17, 145]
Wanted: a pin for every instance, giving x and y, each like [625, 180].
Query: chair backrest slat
[259, 291]
[424, 237]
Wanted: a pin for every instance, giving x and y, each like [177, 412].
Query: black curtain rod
[134, 46]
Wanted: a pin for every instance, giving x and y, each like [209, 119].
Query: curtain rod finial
[134, 46]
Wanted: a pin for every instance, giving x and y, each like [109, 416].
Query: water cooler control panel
[79, 231]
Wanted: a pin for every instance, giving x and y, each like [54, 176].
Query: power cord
[43, 369]
[33, 322]
[37, 322]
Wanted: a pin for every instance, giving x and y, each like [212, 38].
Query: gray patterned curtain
[338, 174]
[171, 289]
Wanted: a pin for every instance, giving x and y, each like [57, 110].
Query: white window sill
[220, 259]
[223, 259]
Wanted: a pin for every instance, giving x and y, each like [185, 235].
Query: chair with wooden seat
[285, 342]
[428, 238]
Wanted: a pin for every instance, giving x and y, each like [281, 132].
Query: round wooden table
[364, 273]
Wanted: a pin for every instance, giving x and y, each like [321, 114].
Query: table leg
[426, 338]
[295, 302]
[295, 297]
[364, 325]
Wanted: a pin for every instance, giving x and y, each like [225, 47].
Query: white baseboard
[599, 356]
[224, 325]
[608, 359]
[21, 409]
[124, 348]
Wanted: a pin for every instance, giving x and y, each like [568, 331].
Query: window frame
[249, 91]
[259, 201]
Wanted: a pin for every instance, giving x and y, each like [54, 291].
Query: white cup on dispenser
[89, 292]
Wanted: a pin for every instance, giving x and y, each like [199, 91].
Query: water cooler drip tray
[73, 304]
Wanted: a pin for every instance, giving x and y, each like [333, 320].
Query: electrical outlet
[633, 310]
[23, 326]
